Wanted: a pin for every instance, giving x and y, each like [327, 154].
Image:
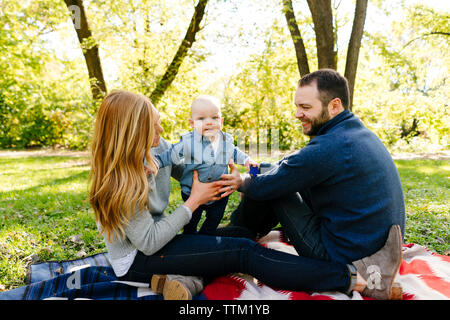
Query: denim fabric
[211, 256]
[214, 214]
[299, 223]
[196, 152]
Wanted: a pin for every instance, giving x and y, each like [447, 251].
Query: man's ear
[191, 122]
[335, 107]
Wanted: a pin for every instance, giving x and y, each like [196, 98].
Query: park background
[59, 58]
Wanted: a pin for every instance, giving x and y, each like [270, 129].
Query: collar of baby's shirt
[226, 137]
[199, 138]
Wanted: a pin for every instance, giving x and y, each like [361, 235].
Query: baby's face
[206, 118]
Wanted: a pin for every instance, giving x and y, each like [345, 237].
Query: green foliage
[41, 95]
[427, 190]
[45, 95]
[260, 97]
[403, 80]
[42, 205]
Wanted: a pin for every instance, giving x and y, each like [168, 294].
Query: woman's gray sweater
[149, 231]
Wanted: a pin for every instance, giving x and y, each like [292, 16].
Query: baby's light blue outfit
[198, 154]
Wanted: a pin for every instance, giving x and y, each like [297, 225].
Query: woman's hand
[230, 182]
[202, 193]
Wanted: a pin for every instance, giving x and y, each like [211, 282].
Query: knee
[248, 244]
[239, 248]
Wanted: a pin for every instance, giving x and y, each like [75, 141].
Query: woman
[142, 241]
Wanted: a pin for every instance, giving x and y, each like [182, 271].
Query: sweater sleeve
[303, 169]
[149, 235]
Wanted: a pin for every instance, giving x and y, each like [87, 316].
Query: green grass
[426, 186]
[42, 204]
[44, 214]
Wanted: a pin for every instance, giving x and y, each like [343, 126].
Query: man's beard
[318, 122]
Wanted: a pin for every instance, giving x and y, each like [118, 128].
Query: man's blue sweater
[348, 178]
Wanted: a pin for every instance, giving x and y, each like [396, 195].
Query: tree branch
[323, 27]
[441, 33]
[300, 51]
[354, 45]
[186, 44]
[89, 47]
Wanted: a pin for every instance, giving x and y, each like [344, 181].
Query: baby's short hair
[208, 98]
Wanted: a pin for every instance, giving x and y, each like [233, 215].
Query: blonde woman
[143, 241]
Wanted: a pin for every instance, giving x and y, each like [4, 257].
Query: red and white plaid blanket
[423, 275]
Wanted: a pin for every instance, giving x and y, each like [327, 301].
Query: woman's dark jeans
[214, 214]
[212, 256]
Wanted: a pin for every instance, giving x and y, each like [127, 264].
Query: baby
[206, 149]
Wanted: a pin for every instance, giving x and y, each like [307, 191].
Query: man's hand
[230, 182]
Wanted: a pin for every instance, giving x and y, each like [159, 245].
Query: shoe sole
[158, 282]
[175, 290]
[396, 290]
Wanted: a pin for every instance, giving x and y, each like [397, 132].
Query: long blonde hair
[123, 136]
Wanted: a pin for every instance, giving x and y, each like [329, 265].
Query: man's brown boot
[380, 269]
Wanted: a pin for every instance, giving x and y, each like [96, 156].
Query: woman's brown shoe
[158, 282]
[176, 287]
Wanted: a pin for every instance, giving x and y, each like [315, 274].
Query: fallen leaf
[32, 258]
[80, 254]
[76, 239]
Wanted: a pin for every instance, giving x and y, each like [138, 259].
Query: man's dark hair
[330, 85]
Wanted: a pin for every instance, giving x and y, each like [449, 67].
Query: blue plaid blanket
[88, 278]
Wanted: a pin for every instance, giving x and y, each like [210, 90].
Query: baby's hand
[147, 170]
[250, 163]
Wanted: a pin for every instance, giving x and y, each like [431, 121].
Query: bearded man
[337, 197]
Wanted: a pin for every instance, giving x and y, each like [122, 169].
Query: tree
[428, 23]
[354, 45]
[300, 50]
[402, 93]
[181, 53]
[255, 99]
[322, 16]
[90, 49]
[42, 97]
[89, 46]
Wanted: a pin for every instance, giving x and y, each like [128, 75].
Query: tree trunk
[354, 45]
[89, 47]
[323, 27]
[300, 51]
[186, 44]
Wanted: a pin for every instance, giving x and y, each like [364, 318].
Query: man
[337, 197]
